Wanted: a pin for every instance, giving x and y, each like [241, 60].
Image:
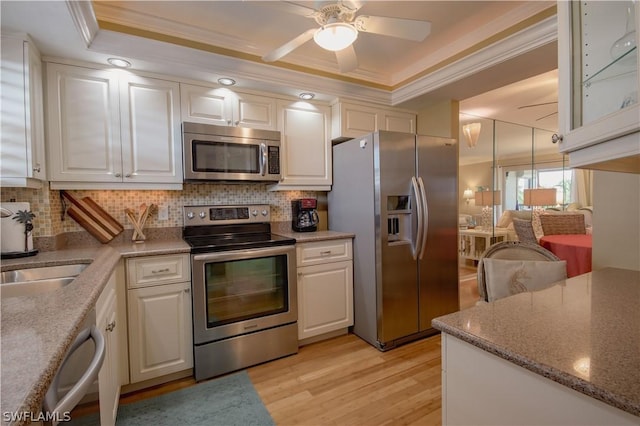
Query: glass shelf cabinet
[599, 113]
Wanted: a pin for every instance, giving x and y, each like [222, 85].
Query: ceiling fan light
[335, 36]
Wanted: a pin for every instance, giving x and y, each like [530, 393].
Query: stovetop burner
[221, 228]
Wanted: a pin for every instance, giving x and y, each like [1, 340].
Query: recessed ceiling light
[306, 96]
[120, 63]
[225, 81]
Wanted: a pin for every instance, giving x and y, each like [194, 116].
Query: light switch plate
[163, 212]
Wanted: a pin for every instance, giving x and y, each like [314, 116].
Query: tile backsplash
[47, 205]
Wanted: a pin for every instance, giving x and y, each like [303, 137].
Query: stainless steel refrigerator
[398, 193]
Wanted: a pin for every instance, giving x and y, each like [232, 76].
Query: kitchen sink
[29, 288]
[27, 282]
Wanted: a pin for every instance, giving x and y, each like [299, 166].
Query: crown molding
[82, 15]
[530, 38]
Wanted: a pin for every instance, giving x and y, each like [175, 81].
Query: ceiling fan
[542, 104]
[339, 28]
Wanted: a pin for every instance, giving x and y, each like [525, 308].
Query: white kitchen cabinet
[109, 376]
[112, 130]
[306, 146]
[160, 323]
[325, 288]
[221, 106]
[599, 113]
[351, 120]
[22, 150]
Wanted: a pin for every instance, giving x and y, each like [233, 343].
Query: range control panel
[226, 215]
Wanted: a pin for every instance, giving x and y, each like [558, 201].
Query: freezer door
[394, 163]
[438, 267]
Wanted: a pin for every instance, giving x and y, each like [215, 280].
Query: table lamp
[538, 198]
[487, 199]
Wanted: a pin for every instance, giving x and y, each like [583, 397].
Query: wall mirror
[507, 159]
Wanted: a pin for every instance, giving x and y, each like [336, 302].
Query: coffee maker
[304, 216]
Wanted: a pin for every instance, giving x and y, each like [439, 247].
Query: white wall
[616, 220]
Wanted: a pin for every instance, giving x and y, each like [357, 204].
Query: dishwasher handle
[57, 407]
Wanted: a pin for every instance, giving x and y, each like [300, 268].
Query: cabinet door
[598, 83]
[325, 298]
[83, 124]
[206, 105]
[398, 121]
[22, 145]
[150, 130]
[109, 376]
[354, 120]
[256, 112]
[35, 108]
[160, 340]
[306, 147]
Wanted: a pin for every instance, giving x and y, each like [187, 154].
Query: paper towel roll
[12, 231]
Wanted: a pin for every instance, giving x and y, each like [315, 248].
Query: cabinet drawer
[155, 270]
[323, 252]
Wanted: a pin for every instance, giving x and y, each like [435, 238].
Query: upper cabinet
[599, 114]
[351, 120]
[22, 151]
[108, 129]
[221, 106]
[306, 146]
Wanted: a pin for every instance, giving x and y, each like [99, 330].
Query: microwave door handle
[263, 159]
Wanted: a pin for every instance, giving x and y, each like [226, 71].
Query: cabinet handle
[118, 175]
[228, 122]
[555, 138]
[325, 253]
[187, 290]
[237, 123]
[111, 326]
[159, 271]
[36, 169]
[128, 175]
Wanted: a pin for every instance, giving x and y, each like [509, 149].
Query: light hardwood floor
[346, 381]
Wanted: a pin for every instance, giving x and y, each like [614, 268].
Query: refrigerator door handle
[425, 219]
[418, 202]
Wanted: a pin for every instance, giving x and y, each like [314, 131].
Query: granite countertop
[36, 331]
[583, 333]
[284, 229]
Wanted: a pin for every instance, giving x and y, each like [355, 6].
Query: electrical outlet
[163, 212]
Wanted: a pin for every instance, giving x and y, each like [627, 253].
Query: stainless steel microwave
[221, 153]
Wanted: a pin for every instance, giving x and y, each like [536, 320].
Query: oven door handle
[263, 159]
[243, 254]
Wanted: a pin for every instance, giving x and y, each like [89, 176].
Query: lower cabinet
[325, 288]
[109, 376]
[159, 309]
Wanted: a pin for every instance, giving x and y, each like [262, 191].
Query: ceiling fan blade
[535, 105]
[347, 59]
[288, 47]
[409, 29]
[545, 116]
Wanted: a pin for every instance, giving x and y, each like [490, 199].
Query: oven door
[239, 292]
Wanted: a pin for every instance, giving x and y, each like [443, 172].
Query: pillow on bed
[508, 277]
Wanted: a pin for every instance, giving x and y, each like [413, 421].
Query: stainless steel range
[243, 281]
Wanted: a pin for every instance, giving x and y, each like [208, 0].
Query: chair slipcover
[511, 250]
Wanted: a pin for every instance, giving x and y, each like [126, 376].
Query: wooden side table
[473, 242]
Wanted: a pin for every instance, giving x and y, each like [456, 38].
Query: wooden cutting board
[93, 218]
